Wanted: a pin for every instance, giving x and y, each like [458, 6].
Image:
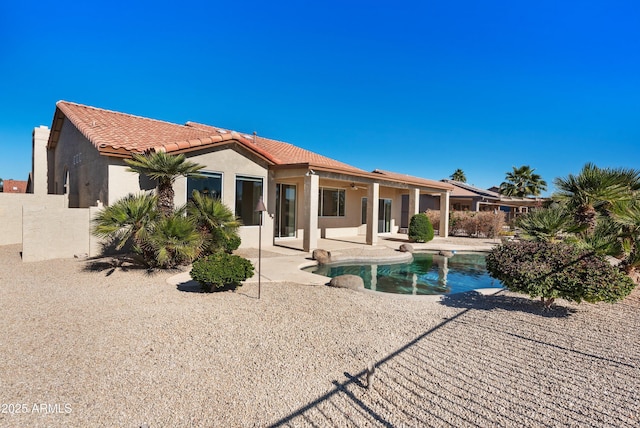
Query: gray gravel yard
[85, 344]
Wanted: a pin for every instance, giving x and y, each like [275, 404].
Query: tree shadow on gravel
[122, 262]
[192, 286]
[478, 301]
[470, 371]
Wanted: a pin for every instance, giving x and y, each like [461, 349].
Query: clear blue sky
[419, 87]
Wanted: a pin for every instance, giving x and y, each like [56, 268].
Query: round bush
[231, 243]
[420, 228]
[557, 270]
[221, 271]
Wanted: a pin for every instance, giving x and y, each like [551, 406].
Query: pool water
[426, 274]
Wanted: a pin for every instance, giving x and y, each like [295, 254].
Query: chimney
[40, 138]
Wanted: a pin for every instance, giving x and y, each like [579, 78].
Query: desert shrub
[420, 228]
[221, 271]
[490, 223]
[465, 224]
[434, 218]
[476, 223]
[557, 270]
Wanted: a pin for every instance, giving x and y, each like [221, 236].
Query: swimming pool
[426, 274]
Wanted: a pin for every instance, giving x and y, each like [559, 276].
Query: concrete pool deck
[283, 262]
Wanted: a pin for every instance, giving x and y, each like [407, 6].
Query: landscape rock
[406, 248]
[613, 261]
[322, 256]
[352, 282]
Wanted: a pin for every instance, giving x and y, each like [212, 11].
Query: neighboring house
[14, 186]
[307, 195]
[465, 197]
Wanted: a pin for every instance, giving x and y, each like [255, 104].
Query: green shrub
[420, 228]
[221, 271]
[231, 243]
[557, 270]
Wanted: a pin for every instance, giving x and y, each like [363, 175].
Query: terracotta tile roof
[14, 186]
[114, 131]
[287, 154]
[120, 134]
[414, 180]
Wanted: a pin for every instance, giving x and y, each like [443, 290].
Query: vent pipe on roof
[255, 134]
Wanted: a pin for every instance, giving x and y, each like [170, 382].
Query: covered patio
[345, 204]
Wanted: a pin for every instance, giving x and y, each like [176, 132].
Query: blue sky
[418, 87]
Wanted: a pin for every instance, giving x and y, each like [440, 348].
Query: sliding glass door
[384, 215]
[285, 223]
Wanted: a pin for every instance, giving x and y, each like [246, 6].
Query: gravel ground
[85, 344]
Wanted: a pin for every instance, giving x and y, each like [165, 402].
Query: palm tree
[175, 241]
[458, 175]
[522, 182]
[130, 219]
[214, 219]
[165, 169]
[546, 224]
[595, 190]
[627, 216]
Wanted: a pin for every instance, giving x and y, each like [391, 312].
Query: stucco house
[465, 197]
[307, 195]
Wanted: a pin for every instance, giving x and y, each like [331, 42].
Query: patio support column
[414, 203]
[373, 200]
[310, 219]
[443, 230]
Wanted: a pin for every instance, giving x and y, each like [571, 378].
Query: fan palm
[458, 175]
[594, 191]
[546, 224]
[164, 168]
[175, 241]
[130, 219]
[522, 182]
[604, 239]
[214, 218]
[627, 216]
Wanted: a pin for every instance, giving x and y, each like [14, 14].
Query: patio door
[285, 221]
[384, 215]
